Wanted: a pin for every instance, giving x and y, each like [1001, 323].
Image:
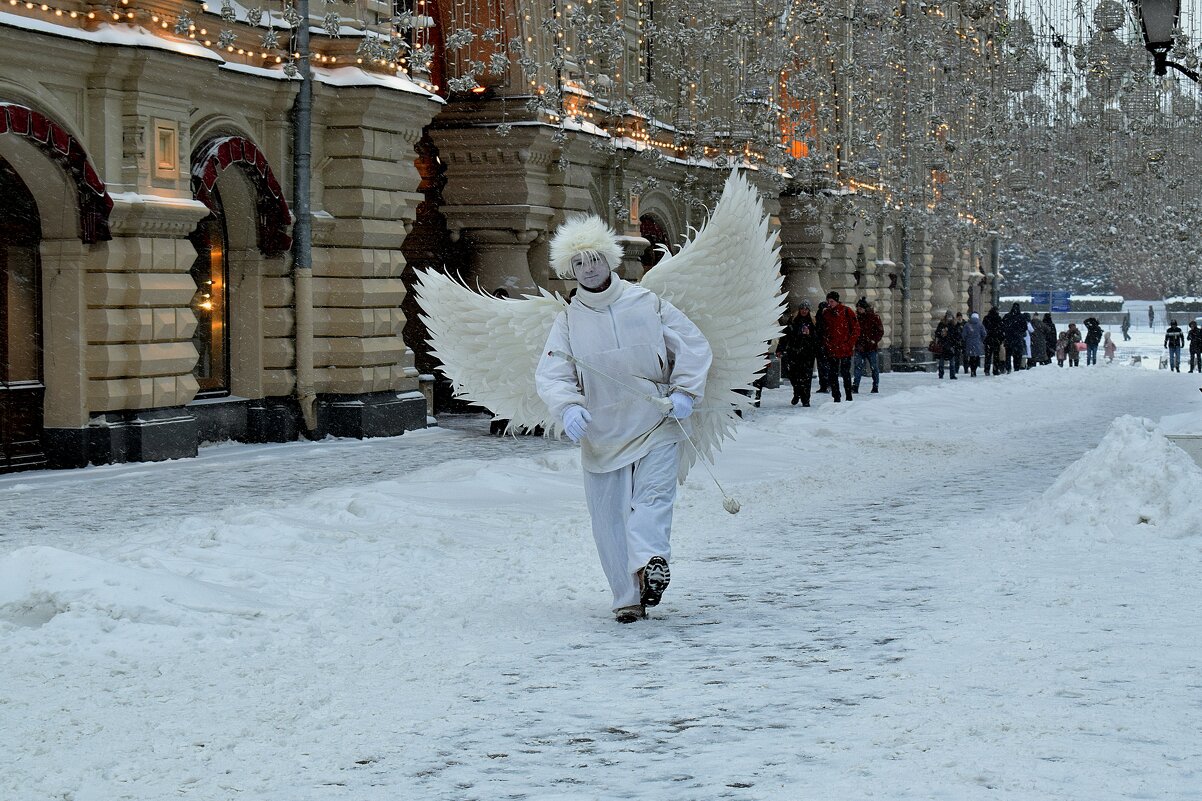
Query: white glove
[682, 405]
[575, 421]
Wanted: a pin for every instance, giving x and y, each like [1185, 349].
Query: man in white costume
[628, 350]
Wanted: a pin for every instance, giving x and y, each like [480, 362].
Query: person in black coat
[993, 342]
[947, 341]
[1038, 343]
[1194, 336]
[798, 348]
[1014, 334]
[1050, 337]
[1174, 340]
[1093, 338]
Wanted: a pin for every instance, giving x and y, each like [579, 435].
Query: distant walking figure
[1195, 346]
[1174, 340]
[1151, 316]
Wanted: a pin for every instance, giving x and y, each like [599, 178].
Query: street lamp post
[1159, 21]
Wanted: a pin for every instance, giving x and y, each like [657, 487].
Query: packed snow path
[898, 613]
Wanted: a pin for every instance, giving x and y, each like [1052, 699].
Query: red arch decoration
[65, 150]
[271, 208]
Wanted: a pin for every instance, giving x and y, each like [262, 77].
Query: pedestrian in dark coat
[959, 333]
[947, 345]
[973, 336]
[839, 329]
[1014, 335]
[993, 342]
[824, 372]
[1050, 335]
[1093, 338]
[799, 347]
[866, 358]
[1195, 346]
[1070, 342]
[1038, 335]
[1126, 326]
[1174, 340]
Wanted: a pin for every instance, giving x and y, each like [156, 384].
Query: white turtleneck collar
[602, 299]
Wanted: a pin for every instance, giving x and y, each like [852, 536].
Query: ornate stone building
[149, 299]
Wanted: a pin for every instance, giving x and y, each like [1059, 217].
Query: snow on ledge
[121, 35]
[135, 198]
[137, 36]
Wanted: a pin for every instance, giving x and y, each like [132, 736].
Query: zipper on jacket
[614, 321]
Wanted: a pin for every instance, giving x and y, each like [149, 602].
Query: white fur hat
[580, 234]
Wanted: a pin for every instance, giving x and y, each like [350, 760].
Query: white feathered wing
[490, 346]
[727, 281]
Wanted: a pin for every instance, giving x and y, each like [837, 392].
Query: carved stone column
[633, 248]
[805, 246]
[943, 299]
[500, 240]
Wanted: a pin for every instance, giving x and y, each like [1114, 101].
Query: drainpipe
[995, 266]
[905, 254]
[302, 228]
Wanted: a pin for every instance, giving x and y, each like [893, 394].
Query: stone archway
[243, 239]
[22, 391]
[71, 205]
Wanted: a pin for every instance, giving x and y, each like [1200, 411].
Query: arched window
[210, 271]
[21, 388]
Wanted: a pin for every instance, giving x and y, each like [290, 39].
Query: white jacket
[637, 338]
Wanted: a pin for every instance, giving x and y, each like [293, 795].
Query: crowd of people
[842, 345]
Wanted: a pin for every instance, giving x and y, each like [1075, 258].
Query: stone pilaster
[841, 265]
[920, 292]
[370, 190]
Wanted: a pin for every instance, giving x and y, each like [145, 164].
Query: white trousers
[631, 510]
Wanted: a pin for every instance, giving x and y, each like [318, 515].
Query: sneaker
[655, 580]
[874, 389]
[806, 404]
[796, 398]
[629, 614]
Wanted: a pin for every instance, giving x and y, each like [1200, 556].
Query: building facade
[149, 297]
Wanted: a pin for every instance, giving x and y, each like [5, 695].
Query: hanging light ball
[1109, 15]
[977, 9]
[1184, 106]
[1018, 180]
[1090, 107]
[1139, 100]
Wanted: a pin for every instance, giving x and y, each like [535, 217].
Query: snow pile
[38, 583]
[1134, 477]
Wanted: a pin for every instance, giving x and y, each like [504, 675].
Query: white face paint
[590, 269]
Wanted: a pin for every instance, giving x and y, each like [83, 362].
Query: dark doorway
[651, 229]
[210, 304]
[22, 391]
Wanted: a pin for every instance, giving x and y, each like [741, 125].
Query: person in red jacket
[840, 330]
[871, 332]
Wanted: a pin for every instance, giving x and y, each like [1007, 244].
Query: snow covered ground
[981, 590]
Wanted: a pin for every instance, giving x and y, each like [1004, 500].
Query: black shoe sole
[655, 580]
[630, 617]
